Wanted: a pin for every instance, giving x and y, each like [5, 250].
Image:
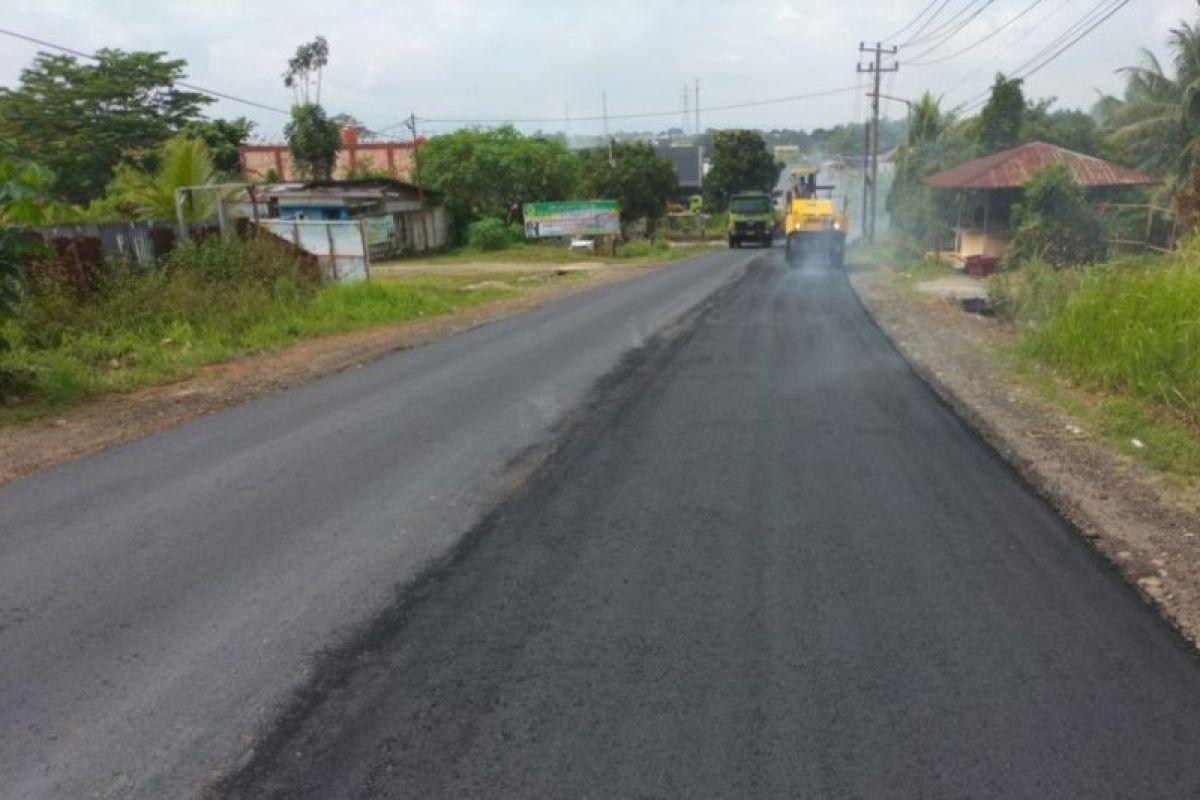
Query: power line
[911, 22]
[969, 19]
[641, 115]
[1007, 23]
[989, 62]
[926, 23]
[941, 29]
[1106, 14]
[192, 86]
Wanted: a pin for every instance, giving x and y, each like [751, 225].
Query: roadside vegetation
[71, 336]
[1114, 338]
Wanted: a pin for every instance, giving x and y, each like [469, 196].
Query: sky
[539, 60]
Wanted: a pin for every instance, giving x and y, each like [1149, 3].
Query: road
[767, 563]
[159, 600]
[749, 554]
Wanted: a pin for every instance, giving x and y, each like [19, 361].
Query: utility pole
[687, 111]
[412, 126]
[698, 131]
[604, 110]
[870, 186]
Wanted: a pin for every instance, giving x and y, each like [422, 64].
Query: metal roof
[1009, 169]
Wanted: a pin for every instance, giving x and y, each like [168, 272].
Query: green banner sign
[572, 218]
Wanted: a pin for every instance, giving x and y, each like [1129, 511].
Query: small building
[989, 186]
[396, 217]
[688, 163]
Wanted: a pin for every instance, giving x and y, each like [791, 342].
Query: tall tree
[1158, 121]
[1002, 116]
[484, 173]
[313, 140]
[740, 161]
[223, 137]
[633, 175]
[81, 119]
[305, 68]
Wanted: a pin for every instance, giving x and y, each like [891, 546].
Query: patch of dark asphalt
[766, 561]
[534, 472]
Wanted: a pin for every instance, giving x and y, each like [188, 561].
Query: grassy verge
[207, 303]
[632, 253]
[1118, 346]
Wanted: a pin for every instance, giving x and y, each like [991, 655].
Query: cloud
[498, 59]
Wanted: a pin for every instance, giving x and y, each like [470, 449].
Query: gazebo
[995, 181]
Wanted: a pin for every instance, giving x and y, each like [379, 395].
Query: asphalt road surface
[766, 563]
[160, 599]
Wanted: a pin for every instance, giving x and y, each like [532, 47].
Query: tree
[641, 181]
[304, 69]
[81, 120]
[182, 162]
[313, 140]
[1054, 222]
[1158, 122]
[485, 173]
[740, 162]
[937, 141]
[223, 137]
[24, 200]
[1074, 130]
[1002, 116]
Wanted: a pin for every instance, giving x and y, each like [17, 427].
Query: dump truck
[814, 224]
[751, 219]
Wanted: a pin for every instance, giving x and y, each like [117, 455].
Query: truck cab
[751, 219]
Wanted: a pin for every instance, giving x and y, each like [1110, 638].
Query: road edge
[1090, 526]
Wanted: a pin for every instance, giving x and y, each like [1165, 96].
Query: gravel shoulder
[104, 421]
[1136, 516]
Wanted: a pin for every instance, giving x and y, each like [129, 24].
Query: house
[396, 217]
[688, 163]
[987, 188]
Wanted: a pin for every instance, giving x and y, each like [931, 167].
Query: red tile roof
[1009, 169]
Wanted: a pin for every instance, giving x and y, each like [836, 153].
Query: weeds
[205, 302]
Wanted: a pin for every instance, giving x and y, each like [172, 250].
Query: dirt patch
[1123, 507]
[29, 447]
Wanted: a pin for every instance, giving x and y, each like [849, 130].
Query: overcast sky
[486, 59]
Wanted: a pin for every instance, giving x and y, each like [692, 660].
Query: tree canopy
[641, 181]
[740, 161]
[1002, 116]
[80, 120]
[313, 140]
[484, 172]
[223, 137]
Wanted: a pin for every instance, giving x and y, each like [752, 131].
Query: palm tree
[1158, 122]
[183, 162]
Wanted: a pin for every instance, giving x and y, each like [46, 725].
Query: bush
[488, 234]
[1130, 326]
[1055, 223]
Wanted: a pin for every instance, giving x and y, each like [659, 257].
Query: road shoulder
[107, 420]
[1127, 510]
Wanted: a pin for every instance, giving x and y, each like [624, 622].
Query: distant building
[355, 159]
[787, 153]
[688, 162]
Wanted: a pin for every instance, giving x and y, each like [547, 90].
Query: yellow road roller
[814, 225]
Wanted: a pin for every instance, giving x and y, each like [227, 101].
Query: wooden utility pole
[870, 185]
[412, 126]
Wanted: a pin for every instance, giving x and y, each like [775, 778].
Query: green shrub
[1055, 223]
[488, 234]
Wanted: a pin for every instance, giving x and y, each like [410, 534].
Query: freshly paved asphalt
[766, 562]
[159, 600]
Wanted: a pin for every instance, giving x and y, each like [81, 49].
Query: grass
[633, 253]
[1118, 346]
[155, 327]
